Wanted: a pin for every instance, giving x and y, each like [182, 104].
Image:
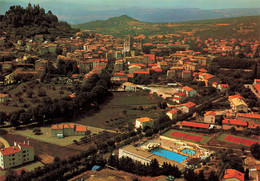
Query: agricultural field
[188, 136]
[122, 109]
[237, 140]
[26, 95]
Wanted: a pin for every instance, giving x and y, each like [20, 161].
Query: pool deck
[148, 155]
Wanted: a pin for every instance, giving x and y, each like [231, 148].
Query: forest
[26, 22]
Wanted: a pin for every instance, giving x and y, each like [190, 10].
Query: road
[4, 142]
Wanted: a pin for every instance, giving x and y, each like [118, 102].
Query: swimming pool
[188, 151]
[169, 154]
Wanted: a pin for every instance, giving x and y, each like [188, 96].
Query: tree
[10, 175]
[190, 175]
[246, 131]
[255, 150]
[201, 176]
[213, 176]
[42, 93]
[3, 117]
[58, 51]
[29, 93]
[233, 130]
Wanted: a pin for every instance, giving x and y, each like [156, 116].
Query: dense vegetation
[205, 29]
[32, 20]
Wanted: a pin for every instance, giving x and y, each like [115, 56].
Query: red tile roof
[180, 94]
[10, 150]
[246, 115]
[232, 173]
[190, 104]
[253, 125]
[210, 113]
[257, 87]
[81, 128]
[141, 72]
[172, 111]
[186, 88]
[223, 85]
[24, 144]
[186, 71]
[194, 124]
[150, 56]
[234, 122]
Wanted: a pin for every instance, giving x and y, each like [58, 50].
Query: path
[95, 130]
[253, 90]
[4, 142]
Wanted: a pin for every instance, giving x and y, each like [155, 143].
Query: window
[13, 159]
[24, 151]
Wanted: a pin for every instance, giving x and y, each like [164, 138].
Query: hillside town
[175, 103]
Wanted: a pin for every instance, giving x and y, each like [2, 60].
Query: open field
[46, 136]
[40, 147]
[188, 136]
[237, 140]
[122, 109]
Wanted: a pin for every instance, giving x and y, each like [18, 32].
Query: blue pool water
[169, 155]
[188, 151]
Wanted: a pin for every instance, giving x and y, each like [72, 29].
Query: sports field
[237, 139]
[188, 136]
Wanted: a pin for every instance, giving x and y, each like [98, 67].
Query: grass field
[223, 136]
[122, 109]
[46, 136]
[203, 141]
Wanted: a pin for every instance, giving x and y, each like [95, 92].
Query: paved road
[4, 142]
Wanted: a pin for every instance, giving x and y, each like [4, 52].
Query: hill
[247, 27]
[22, 23]
[121, 25]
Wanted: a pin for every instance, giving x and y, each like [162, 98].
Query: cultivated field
[188, 136]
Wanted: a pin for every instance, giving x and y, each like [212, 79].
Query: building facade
[68, 129]
[16, 155]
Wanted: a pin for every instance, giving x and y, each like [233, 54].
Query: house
[194, 125]
[186, 74]
[68, 129]
[238, 124]
[223, 87]
[248, 117]
[188, 107]
[190, 92]
[179, 97]
[238, 105]
[172, 114]
[133, 68]
[209, 117]
[16, 155]
[4, 97]
[128, 86]
[143, 122]
[233, 175]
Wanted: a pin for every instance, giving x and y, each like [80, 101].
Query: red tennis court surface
[242, 141]
[186, 136]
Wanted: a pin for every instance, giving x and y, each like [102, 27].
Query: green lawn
[111, 115]
[46, 136]
[203, 141]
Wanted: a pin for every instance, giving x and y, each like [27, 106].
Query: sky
[110, 4]
[80, 11]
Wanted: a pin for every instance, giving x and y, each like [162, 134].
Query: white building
[209, 117]
[142, 122]
[172, 114]
[16, 155]
[128, 86]
[190, 92]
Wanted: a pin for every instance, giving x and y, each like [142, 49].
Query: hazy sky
[111, 4]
